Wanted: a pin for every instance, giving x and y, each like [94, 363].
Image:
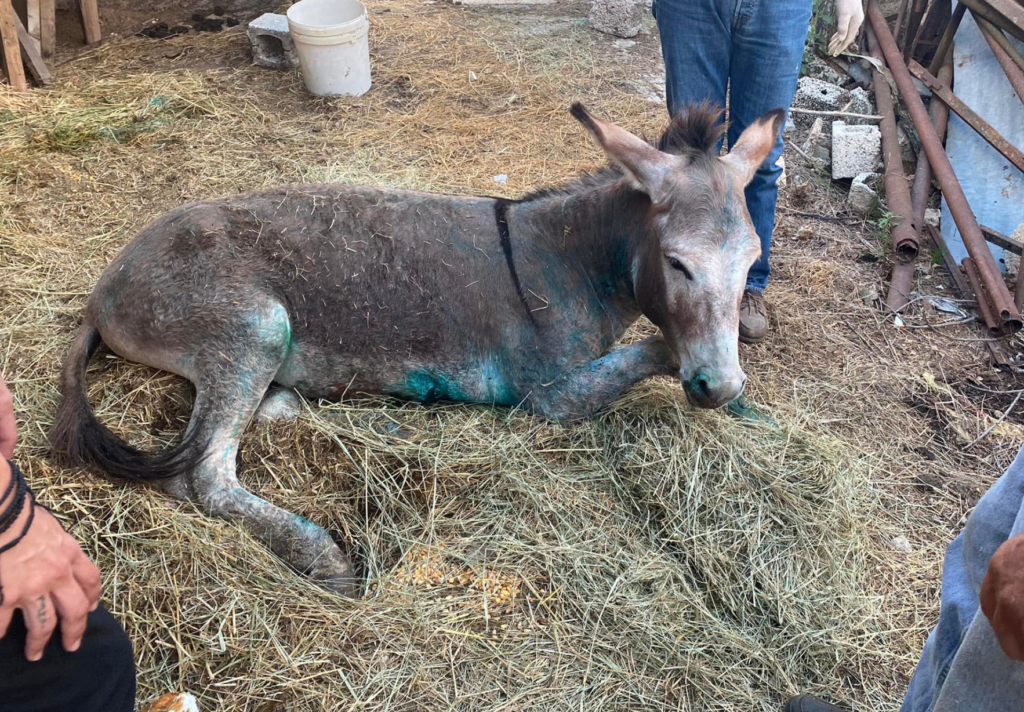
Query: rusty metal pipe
[904, 236]
[939, 115]
[897, 192]
[947, 38]
[955, 198]
[1001, 40]
[980, 8]
[1014, 74]
[984, 307]
[1018, 289]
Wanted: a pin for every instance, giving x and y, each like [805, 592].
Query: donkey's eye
[676, 264]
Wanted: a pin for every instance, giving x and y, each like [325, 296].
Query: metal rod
[994, 17]
[954, 194]
[1010, 152]
[947, 38]
[1005, 241]
[901, 283]
[1014, 74]
[938, 113]
[1001, 40]
[897, 192]
[984, 308]
[1011, 10]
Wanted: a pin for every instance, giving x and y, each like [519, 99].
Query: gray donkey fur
[334, 289]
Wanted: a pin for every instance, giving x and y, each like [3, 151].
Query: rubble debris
[862, 197]
[932, 216]
[271, 42]
[860, 103]
[622, 18]
[855, 149]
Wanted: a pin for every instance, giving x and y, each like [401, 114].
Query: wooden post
[30, 53]
[12, 48]
[91, 21]
[47, 26]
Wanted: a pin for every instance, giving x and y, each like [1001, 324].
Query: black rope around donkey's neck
[9, 514]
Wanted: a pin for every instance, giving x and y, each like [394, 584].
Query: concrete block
[860, 103]
[816, 94]
[622, 18]
[271, 42]
[855, 149]
[862, 196]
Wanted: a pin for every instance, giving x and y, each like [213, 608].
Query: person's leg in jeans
[767, 49]
[98, 677]
[754, 48]
[696, 43]
[962, 667]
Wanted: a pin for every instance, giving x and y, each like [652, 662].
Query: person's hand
[1002, 596]
[48, 577]
[8, 426]
[849, 18]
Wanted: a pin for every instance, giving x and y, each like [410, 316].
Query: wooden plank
[91, 21]
[32, 19]
[30, 53]
[47, 27]
[12, 48]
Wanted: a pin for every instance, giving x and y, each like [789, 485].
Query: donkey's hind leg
[231, 380]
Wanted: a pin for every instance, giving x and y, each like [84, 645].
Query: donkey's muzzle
[705, 389]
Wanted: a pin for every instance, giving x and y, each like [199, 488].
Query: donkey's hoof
[334, 572]
[279, 405]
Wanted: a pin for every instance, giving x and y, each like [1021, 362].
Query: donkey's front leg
[587, 389]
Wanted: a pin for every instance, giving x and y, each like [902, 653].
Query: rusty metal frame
[995, 139]
[988, 271]
[1000, 240]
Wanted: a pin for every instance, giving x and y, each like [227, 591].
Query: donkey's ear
[755, 144]
[646, 166]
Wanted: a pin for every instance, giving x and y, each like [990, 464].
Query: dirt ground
[877, 462]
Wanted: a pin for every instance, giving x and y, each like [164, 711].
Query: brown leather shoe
[810, 703]
[753, 317]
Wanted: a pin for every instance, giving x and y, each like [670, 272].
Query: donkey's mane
[693, 132]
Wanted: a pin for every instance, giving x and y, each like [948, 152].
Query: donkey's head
[691, 257]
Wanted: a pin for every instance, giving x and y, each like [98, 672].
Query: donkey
[335, 290]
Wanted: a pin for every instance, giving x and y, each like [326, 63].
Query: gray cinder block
[271, 42]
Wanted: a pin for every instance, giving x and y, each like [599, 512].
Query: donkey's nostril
[701, 384]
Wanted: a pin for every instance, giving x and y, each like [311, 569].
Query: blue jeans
[753, 47]
[962, 668]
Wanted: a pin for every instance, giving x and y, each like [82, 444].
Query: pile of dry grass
[652, 558]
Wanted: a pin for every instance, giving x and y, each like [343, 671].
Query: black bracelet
[10, 487]
[11, 513]
[17, 540]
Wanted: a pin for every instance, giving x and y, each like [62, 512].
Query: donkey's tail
[80, 438]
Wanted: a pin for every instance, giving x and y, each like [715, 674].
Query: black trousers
[98, 677]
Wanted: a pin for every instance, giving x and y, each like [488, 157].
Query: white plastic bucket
[330, 38]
